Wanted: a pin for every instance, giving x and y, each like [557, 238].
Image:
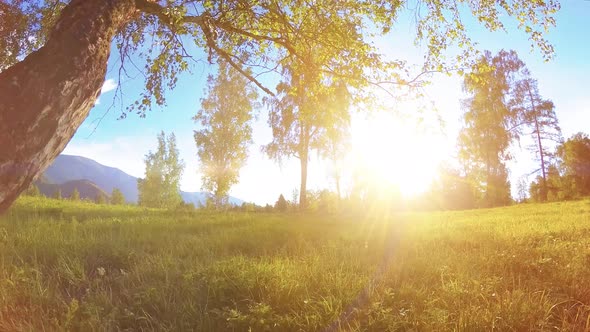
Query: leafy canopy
[161, 186]
[575, 156]
[226, 132]
[165, 38]
[117, 197]
[488, 122]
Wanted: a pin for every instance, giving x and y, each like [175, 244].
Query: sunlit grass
[80, 266]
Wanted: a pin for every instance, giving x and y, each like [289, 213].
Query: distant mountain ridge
[86, 189]
[67, 168]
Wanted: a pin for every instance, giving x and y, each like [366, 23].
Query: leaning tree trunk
[45, 97]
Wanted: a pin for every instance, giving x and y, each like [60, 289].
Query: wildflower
[101, 271]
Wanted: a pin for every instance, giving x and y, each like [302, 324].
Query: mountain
[66, 168]
[200, 198]
[87, 189]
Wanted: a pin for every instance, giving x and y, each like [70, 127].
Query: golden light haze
[393, 152]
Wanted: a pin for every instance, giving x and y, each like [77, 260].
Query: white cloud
[108, 85]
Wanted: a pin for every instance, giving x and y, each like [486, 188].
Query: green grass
[84, 267]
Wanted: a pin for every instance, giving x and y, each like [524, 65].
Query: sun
[397, 154]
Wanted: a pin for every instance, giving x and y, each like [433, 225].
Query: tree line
[116, 197]
[503, 105]
[50, 77]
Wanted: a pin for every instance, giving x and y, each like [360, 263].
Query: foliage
[161, 186]
[239, 31]
[453, 190]
[489, 123]
[309, 113]
[555, 187]
[267, 37]
[25, 25]
[75, 196]
[226, 132]
[281, 205]
[575, 161]
[117, 197]
[123, 267]
[323, 201]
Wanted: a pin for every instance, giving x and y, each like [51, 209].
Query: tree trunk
[544, 185]
[337, 179]
[541, 154]
[45, 97]
[303, 187]
[304, 160]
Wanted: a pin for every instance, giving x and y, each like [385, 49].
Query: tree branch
[204, 21]
[227, 57]
[155, 9]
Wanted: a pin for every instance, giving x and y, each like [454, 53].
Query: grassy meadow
[85, 267]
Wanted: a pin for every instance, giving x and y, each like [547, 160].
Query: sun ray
[395, 154]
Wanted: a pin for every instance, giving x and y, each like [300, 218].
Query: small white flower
[101, 271]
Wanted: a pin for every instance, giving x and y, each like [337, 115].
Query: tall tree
[336, 145]
[54, 53]
[490, 124]
[539, 115]
[226, 132]
[307, 115]
[161, 186]
[575, 160]
[453, 190]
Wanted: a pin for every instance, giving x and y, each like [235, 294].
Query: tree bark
[303, 185]
[45, 97]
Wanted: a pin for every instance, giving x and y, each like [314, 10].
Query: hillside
[86, 188]
[67, 168]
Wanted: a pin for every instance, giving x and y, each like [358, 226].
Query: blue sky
[123, 143]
